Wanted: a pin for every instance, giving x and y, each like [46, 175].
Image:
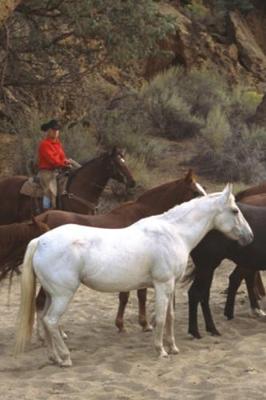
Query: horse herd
[145, 243]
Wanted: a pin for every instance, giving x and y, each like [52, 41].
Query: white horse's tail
[27, 299]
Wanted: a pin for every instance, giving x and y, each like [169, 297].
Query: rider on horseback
[51, 158]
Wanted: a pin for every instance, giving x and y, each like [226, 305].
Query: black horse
[208, 255]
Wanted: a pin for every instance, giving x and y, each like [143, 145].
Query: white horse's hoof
[66, 363]
[63, 334]
[163, 354]
[148, 328]
[173, 350]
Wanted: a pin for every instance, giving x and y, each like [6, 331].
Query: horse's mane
[181, 210]
[84, 163]
[156, 189]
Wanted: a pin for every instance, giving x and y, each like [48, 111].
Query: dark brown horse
[208, 255]
[13, 240]
[255, 196]
[84, 188]
[152, 202]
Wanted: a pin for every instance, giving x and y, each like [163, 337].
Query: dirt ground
[108, 365]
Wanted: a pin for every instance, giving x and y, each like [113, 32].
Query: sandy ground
[108, 365]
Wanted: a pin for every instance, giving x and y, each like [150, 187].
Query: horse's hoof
[63, 334]
[120, 326]
[122, 330]
[194, 335]
[213, 331]
[229, 317]
[66, 363]
[148, 328]
[173, 350]
[163, 354]
[54, 359]
[257, 313]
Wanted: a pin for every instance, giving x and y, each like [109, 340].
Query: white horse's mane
[179, 211]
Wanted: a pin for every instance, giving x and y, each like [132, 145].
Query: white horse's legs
[163, 296]
[169, 327]
[41, 330]
[59, 349]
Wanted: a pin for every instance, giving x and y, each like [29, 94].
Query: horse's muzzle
[246, 239]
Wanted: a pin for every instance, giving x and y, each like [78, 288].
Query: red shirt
[51, 154]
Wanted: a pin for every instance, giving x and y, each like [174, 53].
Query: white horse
[150, 253]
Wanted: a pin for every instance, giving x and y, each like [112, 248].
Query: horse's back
[255, 200]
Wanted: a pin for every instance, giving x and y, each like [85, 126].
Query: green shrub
[239, 159]
[197, 9]
[217, 129]
[243, 104]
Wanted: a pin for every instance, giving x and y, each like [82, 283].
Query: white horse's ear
[227, 192]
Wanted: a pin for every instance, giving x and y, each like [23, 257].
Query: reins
[91, 206]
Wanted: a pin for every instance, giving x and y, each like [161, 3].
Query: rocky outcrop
[6, 9]
[251, 55]
[235, 52]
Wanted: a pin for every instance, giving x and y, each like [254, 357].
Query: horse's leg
[235, 280]
[209, 323]
[119, 321]
[41, 309]
[259, 287]
[142, 297]
[251, 277]
[195, 295]
[163, 294]
[51, 321]
[42, 304]
[169, 327]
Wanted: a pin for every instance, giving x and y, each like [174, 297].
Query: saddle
[32, 187]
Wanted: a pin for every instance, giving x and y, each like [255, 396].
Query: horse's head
[191, 188]
[230, 220]
[118, 168]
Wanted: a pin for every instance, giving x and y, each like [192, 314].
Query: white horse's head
[230, 219]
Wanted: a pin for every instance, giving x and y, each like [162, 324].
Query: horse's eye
[235, 211]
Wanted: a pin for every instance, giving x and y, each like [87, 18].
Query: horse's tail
[27, 299]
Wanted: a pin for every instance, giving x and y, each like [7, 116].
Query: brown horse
[13, 240]
[84, 188]
[253, 190]
[152, 202]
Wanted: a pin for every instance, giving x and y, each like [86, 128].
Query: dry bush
[238, 158]
[170, 114]
[217, 129]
